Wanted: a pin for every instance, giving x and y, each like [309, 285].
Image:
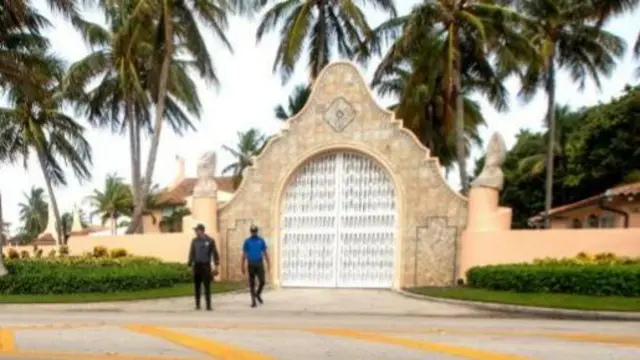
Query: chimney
[179, 170]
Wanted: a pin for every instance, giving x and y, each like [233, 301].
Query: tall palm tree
[177, 33]
[325, 26]
[566, 39]
[124, 61]
[3, 269]
[36, 124]
[295, 103]
[250, 144]
[478, 30]
[33, 212]
[566, 119]
[112, 201]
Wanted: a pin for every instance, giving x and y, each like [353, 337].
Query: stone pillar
[204, 203]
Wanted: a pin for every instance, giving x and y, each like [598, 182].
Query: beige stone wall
[431, 215]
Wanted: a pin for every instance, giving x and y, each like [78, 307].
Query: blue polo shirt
[254, 248]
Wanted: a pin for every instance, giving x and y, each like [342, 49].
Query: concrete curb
[531, 311]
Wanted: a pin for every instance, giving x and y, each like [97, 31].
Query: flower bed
[600, 275]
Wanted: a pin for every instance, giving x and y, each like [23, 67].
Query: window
[576, 224]
[592, 221]
[607, 221]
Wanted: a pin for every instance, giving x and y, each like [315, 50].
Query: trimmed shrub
[24, 254]
[118, 253]
[100, 251]
[38, 253]
[63, 250]
[587, 259]
[89, 275]
[52, 253]
[597, 279]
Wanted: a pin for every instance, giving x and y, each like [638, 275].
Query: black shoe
[259, 298]
[197, 307]
[253, 305]
[209, 308]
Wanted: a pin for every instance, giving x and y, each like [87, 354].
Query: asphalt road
[270, 332]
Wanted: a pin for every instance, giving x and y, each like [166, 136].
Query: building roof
[620, 190]
[177, 194]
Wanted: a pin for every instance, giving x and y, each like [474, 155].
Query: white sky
[248, 93]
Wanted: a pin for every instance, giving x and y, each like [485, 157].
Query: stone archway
[338, 224]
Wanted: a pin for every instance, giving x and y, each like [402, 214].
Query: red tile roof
[620, 190]
[177, 194]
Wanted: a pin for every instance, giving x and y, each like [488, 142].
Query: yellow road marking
[7, 341]
[206, 346]
[85, 356]
[597, 338]
[420, 345]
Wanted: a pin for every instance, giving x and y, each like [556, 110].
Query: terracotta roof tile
[46, 239]
[177, 194]
[625, 189]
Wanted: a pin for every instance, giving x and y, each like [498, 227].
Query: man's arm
[214, 253]
[191, 254]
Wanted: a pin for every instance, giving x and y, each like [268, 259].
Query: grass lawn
[557, 301]
[175, 291]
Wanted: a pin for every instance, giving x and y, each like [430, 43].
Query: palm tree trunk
[134, 139]
[52, 197]
[136, 221]
[3, 270]
[551, 123]
[459, 120]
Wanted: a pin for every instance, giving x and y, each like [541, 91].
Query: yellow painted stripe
[35, 355]
[597, 338]
[460, 351]
[206, 346]
[7, 341]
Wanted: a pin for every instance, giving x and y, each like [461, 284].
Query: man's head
[199, 229]
[253, 230]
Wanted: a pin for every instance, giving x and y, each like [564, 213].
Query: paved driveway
[344, 324]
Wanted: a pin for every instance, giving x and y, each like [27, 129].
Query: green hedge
[89, 275]
[600, 280]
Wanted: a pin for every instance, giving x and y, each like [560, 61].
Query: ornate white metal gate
[339, 224]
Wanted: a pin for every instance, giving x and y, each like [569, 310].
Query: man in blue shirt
[254, 251]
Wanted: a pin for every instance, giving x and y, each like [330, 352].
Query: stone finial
[491, 175]
[206, 183]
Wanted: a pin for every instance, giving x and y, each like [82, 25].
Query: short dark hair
[253, 229]
[199, 227]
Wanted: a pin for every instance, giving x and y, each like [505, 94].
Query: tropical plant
[566, 39]
[112, 201]
[177, 33]
[3, 269]
[566, 121]
[33, 212]
[323, 26]
[250, 143]
[636, 53]
[468, 31]
[295, 103]
[126, 63]
[36, 124]
[172, 220]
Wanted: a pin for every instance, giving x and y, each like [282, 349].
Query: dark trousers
[256, 270]
[202, 276]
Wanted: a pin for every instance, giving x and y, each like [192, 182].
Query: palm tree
[125, 61]
[535, 164]
[172, 222]
[566, 39]
[250, 144]
[37, 124]
[113, 201]
[636, 53]
[178, 32]
[34, 212]
[3, 269]
[296, 102]
[325, 26]
[470, 31]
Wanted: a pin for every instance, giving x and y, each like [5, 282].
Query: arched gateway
[346, 197]
[339, 223]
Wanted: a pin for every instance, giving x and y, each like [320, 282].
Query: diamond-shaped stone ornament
[339, 114]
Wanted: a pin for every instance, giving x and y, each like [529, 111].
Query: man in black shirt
[203, 251]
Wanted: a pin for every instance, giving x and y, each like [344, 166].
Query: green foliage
[600, 275]
[100, 252]
[89, 275]
[250, 144]
[118, 253]
[63, 250]
[13, 254]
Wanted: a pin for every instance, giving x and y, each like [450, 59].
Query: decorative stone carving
[339, 114]
[491, 175]
[206, 185]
